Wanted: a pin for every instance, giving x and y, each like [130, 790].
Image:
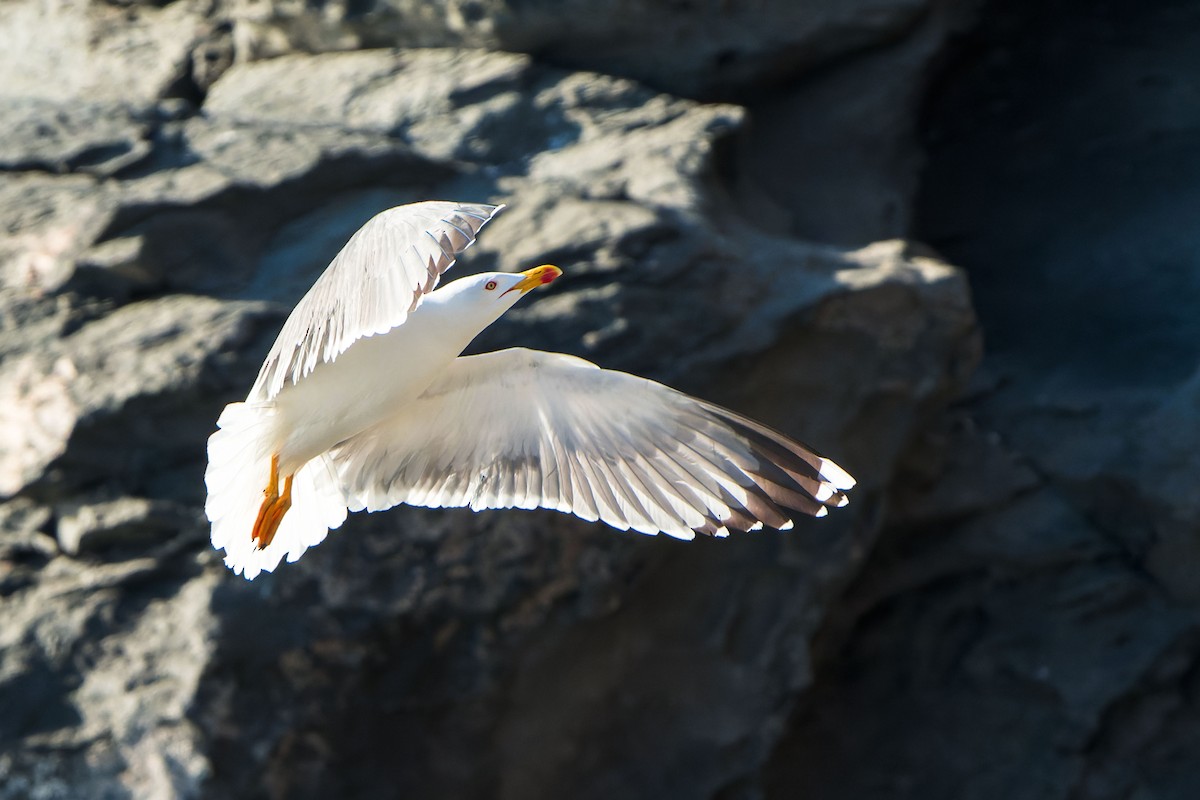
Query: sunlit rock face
[732, 197]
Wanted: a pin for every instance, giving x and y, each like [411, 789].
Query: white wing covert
[371, 286]
[526, 429]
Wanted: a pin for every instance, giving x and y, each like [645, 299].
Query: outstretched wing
[526, 429]
[371, 286]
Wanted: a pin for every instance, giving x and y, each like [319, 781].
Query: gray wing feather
[526, 429]
[371, 286]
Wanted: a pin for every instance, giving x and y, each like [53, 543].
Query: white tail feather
[239, 466]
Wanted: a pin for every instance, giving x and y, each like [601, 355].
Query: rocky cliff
[793, 209]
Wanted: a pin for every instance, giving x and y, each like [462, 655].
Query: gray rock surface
[692, 48]
[1035, 596]
[133, 54]
[1007, 608]
[853, 129]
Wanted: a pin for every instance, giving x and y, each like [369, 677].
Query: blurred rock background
[952, 243]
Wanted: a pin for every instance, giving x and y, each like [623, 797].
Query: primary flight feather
[364, 402]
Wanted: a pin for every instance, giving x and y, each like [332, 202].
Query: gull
[365, 402]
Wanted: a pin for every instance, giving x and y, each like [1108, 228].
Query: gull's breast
[373, 379]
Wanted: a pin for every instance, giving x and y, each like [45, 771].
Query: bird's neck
[446, 325]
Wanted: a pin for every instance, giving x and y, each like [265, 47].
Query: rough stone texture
[693, 47]
[1007, 609]
[40, 134]
[78, 50]
[853, 127]
[1034, 595]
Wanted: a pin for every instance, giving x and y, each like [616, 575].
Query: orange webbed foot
[274, 506]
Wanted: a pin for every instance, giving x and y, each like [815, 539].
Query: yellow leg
[273, 507]
[281, 506]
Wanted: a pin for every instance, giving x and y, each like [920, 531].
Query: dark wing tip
[789, 475]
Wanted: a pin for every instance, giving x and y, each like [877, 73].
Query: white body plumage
[379, 375]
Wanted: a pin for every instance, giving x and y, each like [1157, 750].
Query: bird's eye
[490, 285]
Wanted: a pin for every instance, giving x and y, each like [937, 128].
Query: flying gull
[365, 402]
